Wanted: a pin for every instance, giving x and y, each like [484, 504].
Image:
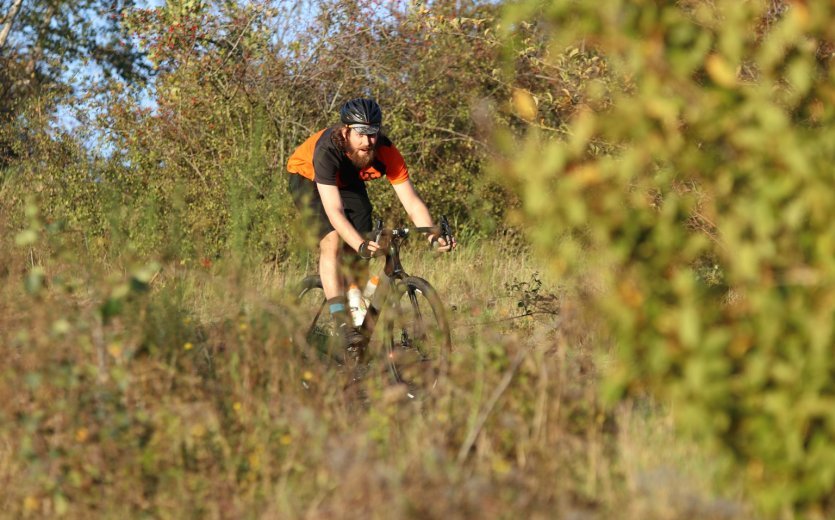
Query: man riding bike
[328, 175]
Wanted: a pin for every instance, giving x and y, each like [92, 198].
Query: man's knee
[329, 245]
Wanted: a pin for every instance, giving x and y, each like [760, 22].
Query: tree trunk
[36, 55]
[7, 22]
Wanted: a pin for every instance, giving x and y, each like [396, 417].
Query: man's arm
[332, 202]
[413, 204]
[417, 210]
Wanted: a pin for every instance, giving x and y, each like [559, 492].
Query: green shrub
[707, 218]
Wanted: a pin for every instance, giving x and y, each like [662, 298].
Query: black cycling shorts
[356, 204]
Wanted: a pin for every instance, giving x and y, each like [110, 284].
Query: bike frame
[393, 272]
[393, 269]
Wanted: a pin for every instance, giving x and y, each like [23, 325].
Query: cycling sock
[338, 307]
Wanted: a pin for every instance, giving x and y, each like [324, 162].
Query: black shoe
[353, 341]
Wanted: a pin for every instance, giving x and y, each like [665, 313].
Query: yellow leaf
[115, 349]
[30, 504]
[720, 71]
[254, 461]
[81, 434]
[799, 15]
[524, 104]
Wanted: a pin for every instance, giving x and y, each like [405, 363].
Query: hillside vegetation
[642, 305]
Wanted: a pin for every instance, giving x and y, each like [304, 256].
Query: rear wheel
[418, 339]
[320, 332]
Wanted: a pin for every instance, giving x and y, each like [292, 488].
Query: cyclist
[328, 175]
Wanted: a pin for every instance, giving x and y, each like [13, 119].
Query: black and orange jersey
[320, 160]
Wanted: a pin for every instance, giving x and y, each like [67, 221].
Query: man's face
[360, 148]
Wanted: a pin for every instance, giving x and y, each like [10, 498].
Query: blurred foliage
[174, 390]
[239, 85]
[669, 160]
[705, 219]
[50, 48]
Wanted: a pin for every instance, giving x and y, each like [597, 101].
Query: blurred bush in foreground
[707, 219]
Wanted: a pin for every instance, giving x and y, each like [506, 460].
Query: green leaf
[111, 308]
[27, 237]
[141, 277]
[34, 281]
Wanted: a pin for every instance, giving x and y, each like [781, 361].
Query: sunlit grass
[193, 399]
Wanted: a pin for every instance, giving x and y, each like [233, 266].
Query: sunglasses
[365, 129]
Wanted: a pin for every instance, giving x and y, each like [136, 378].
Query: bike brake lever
[378, 230]
[446, 231]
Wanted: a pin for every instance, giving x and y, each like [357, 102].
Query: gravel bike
[415, 336]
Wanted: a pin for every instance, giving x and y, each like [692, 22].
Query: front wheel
[418, 339]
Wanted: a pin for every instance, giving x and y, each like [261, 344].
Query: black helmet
[362, 114]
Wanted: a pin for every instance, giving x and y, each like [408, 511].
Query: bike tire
[418, 341]
[320, 333]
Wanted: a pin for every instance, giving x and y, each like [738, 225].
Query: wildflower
[81, 434]
[115, 349]
[254, 461]
[286, 439]
[500, 466]
[30, 504]
[188, 346]
[61, 327]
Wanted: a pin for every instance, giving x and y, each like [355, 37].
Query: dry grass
[190, 403]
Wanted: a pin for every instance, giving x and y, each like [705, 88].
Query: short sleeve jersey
[320, 160]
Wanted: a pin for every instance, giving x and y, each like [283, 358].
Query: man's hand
[368, 249]
[441, 244]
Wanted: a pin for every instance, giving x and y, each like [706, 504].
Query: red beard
[360, 158]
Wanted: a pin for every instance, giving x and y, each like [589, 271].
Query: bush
[707, 219]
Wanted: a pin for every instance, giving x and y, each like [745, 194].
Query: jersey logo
[375, 171]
